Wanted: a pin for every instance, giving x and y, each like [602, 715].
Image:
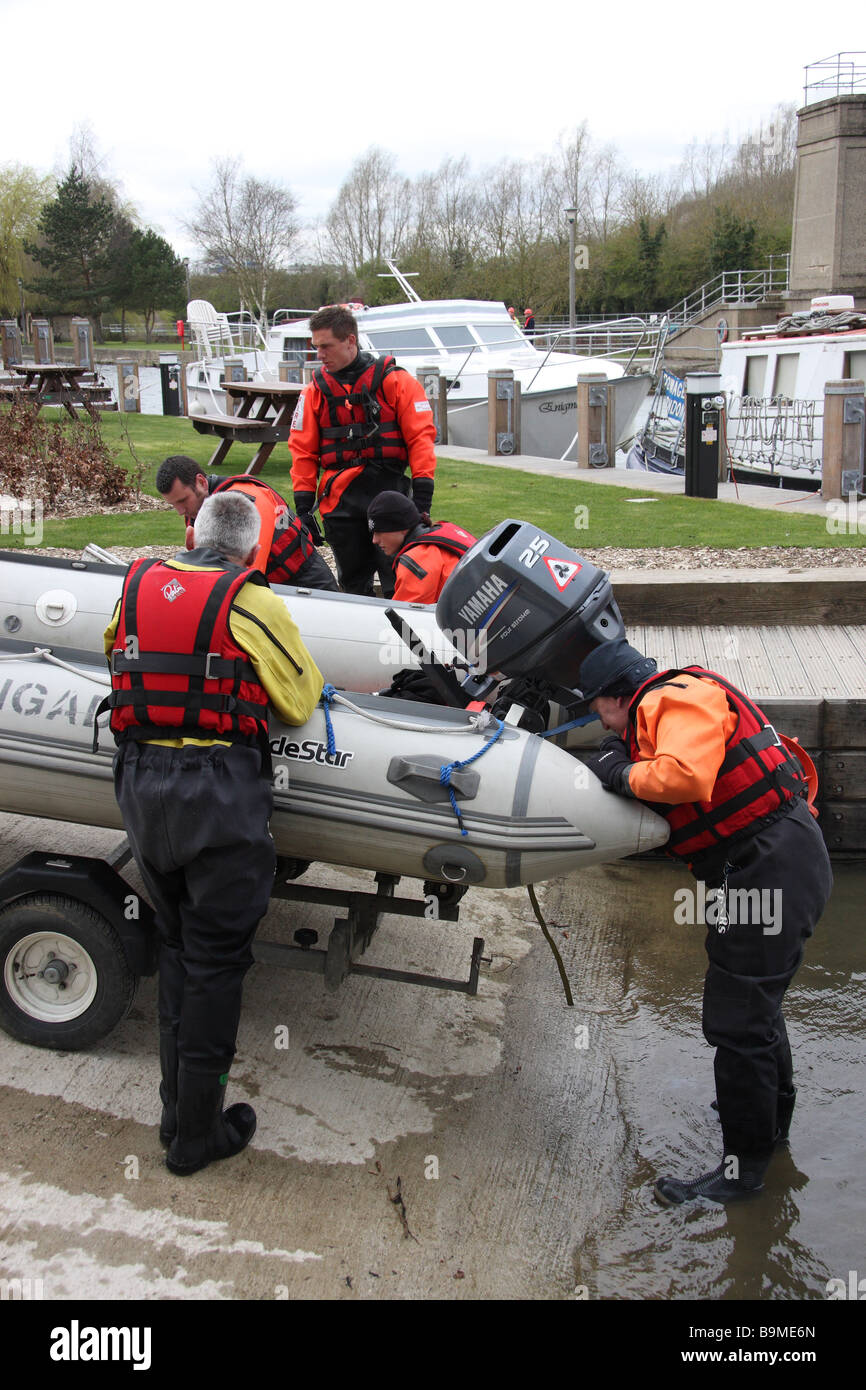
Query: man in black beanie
[696, 749]
[423, 554]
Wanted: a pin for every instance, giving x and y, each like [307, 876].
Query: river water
[807, 1227]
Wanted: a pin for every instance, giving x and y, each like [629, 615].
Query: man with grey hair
[199, 650]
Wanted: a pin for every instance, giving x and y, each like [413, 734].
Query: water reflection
[806, 1227]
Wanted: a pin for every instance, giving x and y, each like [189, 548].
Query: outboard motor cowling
[522, 603]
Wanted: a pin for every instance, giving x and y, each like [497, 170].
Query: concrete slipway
[545, 1124]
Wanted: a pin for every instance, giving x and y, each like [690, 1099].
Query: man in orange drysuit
[423, 556]
[358, 426]
[287, 552]
[697, 750]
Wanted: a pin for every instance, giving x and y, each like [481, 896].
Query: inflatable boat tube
[528, 809]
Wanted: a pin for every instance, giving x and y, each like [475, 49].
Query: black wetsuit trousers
[347, 532]
[778, 883]
[197, 821]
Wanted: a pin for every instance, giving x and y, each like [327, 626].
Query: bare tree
[247, 226]
[369, 218]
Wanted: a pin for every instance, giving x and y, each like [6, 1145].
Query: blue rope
[446, 770]
[572, 724]
[328, 693]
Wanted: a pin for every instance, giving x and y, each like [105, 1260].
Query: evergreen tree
[156, 276]
[75, 232]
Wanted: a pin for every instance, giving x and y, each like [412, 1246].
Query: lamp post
[186, 273]
[23, 310]
[571, 214]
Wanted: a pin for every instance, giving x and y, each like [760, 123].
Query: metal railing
[634, 341]
[842, 74]
[733, 287]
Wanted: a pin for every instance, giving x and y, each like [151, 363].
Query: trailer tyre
[65, 981]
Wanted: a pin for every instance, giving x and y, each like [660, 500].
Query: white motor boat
[773, 379]
[464, 338]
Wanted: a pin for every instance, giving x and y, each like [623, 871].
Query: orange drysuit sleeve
[682, 729]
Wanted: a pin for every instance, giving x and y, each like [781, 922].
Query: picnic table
[59, 383]
[263, 417]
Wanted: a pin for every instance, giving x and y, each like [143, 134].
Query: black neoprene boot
[168, 1087]
[719, 1187]
[204, 1133]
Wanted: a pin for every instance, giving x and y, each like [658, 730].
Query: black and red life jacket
[359, 426]
[285, 545]
[757, 778]
[175, 668]
[444, 534]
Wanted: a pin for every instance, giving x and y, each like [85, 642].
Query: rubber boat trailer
[75, 937]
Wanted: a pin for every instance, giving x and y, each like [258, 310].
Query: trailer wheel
[66, 981]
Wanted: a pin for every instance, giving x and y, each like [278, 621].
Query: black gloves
[305, 506]
[422, 496]
[611, 765]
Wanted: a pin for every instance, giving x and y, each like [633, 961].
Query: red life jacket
[285, 545]
[175, 668]
[757, 777]
[359, 426]
[442, 533]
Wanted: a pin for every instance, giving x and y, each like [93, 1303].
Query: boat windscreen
[406, 341]
[497, 334]
[454, 335]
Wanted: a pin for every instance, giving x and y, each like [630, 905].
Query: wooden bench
[264, 417]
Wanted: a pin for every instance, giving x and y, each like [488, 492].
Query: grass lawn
[582, 515]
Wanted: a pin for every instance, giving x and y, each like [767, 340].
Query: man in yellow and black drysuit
[696, 749]
[200, 649]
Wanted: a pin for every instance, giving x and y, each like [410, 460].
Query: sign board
[675, 394]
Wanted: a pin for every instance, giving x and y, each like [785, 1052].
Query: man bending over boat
[287, 549]
[696, 749]
[357, 427]
[200, 649]
[423, 555]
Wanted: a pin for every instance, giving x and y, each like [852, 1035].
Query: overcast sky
[299, 91]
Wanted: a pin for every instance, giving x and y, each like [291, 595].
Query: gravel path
[611, 558]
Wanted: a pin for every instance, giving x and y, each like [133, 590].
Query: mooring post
[503, 413]
[43, 341]
[842, 469]
[593, 399]
[82, 343]
[435, 388]
[128, 387]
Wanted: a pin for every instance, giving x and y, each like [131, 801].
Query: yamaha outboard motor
[522, 603]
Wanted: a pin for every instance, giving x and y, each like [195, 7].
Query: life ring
[810, 772]
[722, 330]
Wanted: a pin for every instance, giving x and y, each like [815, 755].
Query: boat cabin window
[407, 341]
[786, 375]
[855, 366]
[291, 346]
[756, 372]
[454, 335]
[497, 334]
